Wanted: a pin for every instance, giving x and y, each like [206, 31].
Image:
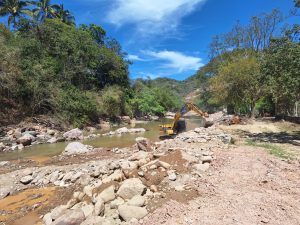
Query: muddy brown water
[44, 151]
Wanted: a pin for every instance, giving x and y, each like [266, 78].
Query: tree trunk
[253, 110]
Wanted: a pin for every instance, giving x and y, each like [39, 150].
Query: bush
[111, 101]
[77, 107]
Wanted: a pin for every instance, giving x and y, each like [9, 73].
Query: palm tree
[64, 15]
[14, 9]
[44, 10]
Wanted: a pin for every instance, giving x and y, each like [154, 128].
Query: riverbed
[44, 151]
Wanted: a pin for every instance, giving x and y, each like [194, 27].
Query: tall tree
[14, 9]
[64, 15]
[255, 36]
[44, 9]
[281, 69]
[237, 82]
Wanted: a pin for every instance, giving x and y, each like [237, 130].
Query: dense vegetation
[78, 74]
[254, 68]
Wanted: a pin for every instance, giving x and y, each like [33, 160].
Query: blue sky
[168, 38]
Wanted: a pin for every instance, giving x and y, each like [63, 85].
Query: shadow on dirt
[282, 137]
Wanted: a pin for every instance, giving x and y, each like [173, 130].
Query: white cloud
[152, 16]
[176, 60]
[134, 58]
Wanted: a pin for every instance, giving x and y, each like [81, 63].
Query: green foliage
[75, 106]
[64, 15]
[112, 101]
[14, 9]
[182, 88]
[54, 63]
[146, 103]
[150, 98]
[249, 67]
[281, 69]
[237, 81]
[97, 32]
[265, 105]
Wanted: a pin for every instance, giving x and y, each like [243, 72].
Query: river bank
[164, 162]
[45, 130]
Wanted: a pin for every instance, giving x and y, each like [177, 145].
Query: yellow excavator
[175, 127]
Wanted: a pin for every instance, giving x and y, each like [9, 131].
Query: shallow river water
[119, 141]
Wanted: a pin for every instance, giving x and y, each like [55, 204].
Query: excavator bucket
[178, 125]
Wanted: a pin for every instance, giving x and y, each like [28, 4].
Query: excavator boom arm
[186, 108]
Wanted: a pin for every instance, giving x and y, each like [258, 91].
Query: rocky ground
[137, 180]
[199, 177]
[17, 137]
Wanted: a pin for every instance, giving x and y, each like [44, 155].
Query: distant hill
[182, 88]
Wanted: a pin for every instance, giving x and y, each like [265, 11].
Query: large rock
[47, 220]
[126, 119]
[154, 118]
[103, 125]
[137, 130]
[52, 140]
[58, 212]
[131, 188]
[99, 207]
[132, 212]
[137, 200]
[5, 191]
[2, 146]
[201, 167]
[140, 155]
[26, 180]
[97, 220]
[76, 148]
[108, 194]
[70, 217]
[143, 144]
[122, 130]
[26, 139]
[75, 134]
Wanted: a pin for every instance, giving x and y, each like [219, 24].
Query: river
[117, 141]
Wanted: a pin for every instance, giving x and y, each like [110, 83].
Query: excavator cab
[169, 130]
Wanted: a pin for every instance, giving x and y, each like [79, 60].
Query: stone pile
[17, 139]
[119, 192]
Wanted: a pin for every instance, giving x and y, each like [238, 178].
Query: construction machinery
[177, 126]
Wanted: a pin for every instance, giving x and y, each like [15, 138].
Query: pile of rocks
[119, 192]
[17, 139]
[107, 206]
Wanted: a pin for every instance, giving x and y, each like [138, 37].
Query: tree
[281, 69]
[64, 15]
[14, 9]
[237, 82]
[44, 10]
[255, 36]
[98, 33]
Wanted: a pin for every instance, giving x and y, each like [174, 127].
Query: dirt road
[245, 185]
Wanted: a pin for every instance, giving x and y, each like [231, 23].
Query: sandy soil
[26, 207]
[245, 185]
